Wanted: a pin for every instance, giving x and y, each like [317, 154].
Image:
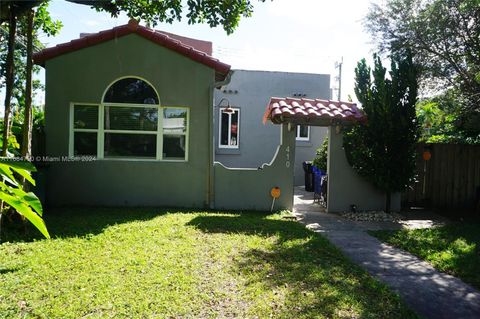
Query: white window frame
[300, 138]
[101, 131]
[220, 145]
[71, 137]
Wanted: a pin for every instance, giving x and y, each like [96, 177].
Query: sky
[282, 35]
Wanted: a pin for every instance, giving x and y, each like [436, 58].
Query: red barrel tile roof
[305, 111]
[160, 38]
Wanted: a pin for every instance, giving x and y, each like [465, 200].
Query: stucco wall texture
[249, 189]
[250, 91]
[82, 77]
[346, 187]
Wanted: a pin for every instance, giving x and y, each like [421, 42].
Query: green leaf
[23, 168]
[28, 198]
[22, 208]
[25, 165]
[7, 174]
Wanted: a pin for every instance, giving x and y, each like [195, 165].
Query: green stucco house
[128, 119]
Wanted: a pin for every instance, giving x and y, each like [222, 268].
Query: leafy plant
[320, 160]
[442, 121]
[382, 150]
[444, 36]
[26, 204]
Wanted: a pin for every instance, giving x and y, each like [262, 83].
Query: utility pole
[338, 65]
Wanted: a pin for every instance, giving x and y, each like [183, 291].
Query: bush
[320, 160]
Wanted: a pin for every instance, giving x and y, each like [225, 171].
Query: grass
[454, 248]
[150, 263]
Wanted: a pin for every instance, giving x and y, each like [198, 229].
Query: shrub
[320, 160]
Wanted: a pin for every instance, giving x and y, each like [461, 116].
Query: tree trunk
[388, 202]
[27, 123]
[10, 69]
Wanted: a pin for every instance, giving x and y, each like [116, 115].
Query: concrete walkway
[430, 293]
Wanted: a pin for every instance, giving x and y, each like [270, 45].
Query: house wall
[250, 91]
[83, 76]
[249, 189]
[346, 187]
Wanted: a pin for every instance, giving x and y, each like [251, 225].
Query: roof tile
[284, 110]
[162, 39]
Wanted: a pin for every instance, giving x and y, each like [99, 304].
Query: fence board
[451, 179]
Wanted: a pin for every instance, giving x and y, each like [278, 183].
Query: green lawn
[149, 263]
[454, 249]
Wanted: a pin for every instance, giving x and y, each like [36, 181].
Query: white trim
[300, 138]
[186, 134]
[135, 77]
[101, 131]
[159, 135]
[139, 159]
[70, 132]
[220, 145]
[130, 132]
[143, 106]
[72, 129]
[88, 130]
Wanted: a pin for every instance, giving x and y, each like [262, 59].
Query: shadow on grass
[80, 221]
[8, 270]
[313, 277]
[254, 223]
[77, 222]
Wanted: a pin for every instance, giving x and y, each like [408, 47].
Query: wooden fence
[449, 180]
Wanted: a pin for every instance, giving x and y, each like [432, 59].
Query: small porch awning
[312, 112]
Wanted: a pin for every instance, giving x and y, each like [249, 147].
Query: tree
[14, 55]
[383, 149]
[444, 36]
[226, 13]
[439, 118]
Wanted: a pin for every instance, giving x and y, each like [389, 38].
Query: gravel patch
[372, 216]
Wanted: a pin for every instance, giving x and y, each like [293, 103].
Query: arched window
[130, 124]
[131, 90]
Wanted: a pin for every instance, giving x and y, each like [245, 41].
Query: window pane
[85, 116]
[234, 129]
[229, 125]
[174, 146]
[303, 131]
[224, 128]
[131, 118]
[131, 90]
[84, 143]
[174, 121]
[130, 145]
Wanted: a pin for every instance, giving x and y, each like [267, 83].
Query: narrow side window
[229, 128]
[84, 130]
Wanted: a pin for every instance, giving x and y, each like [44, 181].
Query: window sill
[153, 160]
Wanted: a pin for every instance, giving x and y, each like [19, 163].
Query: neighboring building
[241, 140]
